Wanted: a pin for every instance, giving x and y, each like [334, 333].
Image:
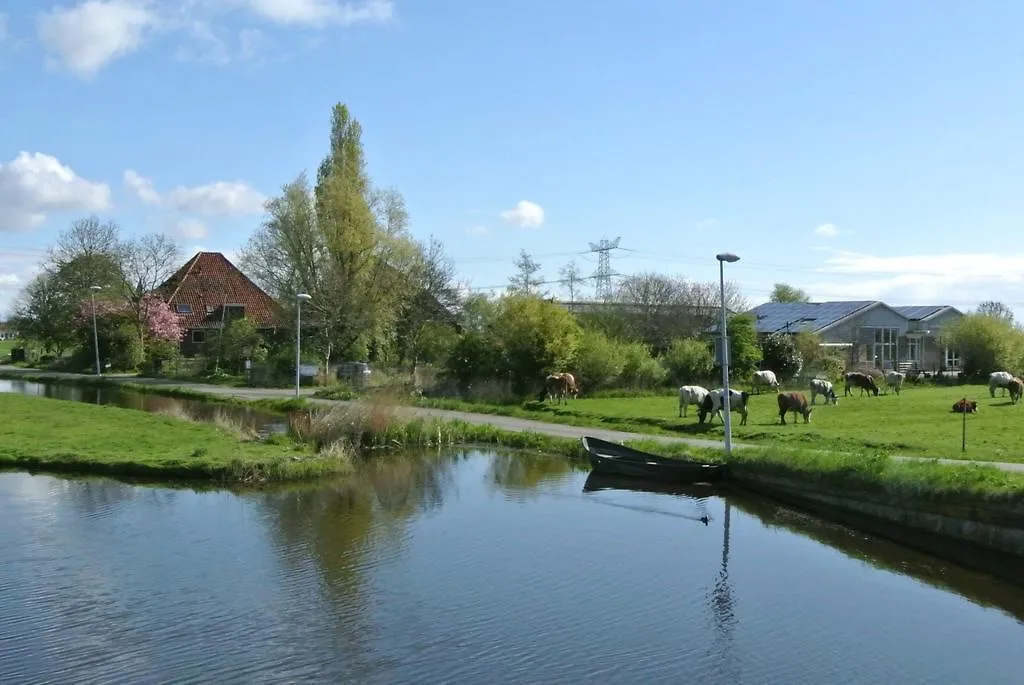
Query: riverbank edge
[982, 540]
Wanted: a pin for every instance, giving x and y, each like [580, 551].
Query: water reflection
[247, 417]
[473, 567]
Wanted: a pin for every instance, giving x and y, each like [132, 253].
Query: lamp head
[727, 257]
[303, 297]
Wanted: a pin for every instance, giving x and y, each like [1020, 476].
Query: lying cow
[999, 379]
[859, 380]
[764, 379]
[965, 407]
[795, 402]
[712, 405]
[1016, 388]
[820, 386]
[691, 394]
[895, 380]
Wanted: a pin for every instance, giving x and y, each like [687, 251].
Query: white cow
[691, 394]
[999, 379]
[820, 386]
[895, 380]
[764, 379]
[713, 404]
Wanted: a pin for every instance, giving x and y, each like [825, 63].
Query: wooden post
[963, 431]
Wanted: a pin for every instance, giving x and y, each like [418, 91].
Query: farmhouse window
[952, 358]
[913, 350]
[184, 309]
[198, 336]
[885, 351]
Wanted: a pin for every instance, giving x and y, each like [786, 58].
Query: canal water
[248, 417]
[474, 567]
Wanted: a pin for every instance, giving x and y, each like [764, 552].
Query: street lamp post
[726, 409]
[95, 333]
[299, 299]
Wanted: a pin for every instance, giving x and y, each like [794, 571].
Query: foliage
[780, 354]
[744, 349]
[475, 356]
[783, 292]
[571, 278]
[241, 340]
[599, 360]
[639, 369]
[986, 344]
[536, 337]
[688, 360]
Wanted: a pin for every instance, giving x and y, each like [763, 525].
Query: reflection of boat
[600, 481]
[610, 458]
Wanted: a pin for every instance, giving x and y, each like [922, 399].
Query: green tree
[527, 279]
[744, 349]
[780, 354]
[640, 370]
[599, 360]
[783, 292]
[688, 360]
[536, 337]
[986, 344]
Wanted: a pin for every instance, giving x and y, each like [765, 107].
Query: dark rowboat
[597, 482]
[613, 459]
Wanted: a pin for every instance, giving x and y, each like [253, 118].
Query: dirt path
[509, 423]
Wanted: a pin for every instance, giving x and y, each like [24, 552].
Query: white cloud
[827, 231]
[35, 184]
[10, 281]
[525, 214]
[957, 279]
[89, 36]
[321, 12]
[191, 229]
[224, 198]
[478, 231]
[142, 187]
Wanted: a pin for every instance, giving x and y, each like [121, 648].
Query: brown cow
[794, 402]
[560, 386]
[965, 407]
[859, 380]
[1016, 388]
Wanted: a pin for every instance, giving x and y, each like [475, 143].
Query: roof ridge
[190, 264]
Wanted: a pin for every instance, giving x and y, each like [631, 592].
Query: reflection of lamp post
[726, 409]
[95, 334]
[299, 299]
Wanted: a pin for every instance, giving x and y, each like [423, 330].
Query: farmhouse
[209, 292]
[874, 333]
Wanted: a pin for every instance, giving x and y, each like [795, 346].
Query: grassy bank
[918, 422]
[59, 435]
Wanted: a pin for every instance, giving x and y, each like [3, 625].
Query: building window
[952, 358]
[885, 347]
[184, 309]
[198, 336]
[234, 311]
[913, 350]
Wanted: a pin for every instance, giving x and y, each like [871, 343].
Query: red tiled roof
[209, 281]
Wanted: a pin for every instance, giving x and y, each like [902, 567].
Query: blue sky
[858, 150]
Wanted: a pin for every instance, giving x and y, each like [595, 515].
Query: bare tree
[570, 278]
[996, 310]
[527, 279]
[84, 238]
[146, 263]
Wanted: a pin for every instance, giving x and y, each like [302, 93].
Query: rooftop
[794, 317]
[209, 281]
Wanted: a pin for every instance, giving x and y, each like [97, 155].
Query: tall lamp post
[726, 410]
[95, 334]
[299, 299]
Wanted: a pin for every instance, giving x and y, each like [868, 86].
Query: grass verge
[60, 435]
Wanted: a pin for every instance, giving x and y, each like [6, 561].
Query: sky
[858, 150]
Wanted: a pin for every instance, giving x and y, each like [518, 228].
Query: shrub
[779, 354]
[599, 361]
[688, 360]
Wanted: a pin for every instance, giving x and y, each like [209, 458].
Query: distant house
[7, 331]
[873, 332]
[209, 292]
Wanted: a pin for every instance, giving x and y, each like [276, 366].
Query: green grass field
[917, 423]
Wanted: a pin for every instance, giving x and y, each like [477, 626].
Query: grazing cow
[895, 380]
[766, 379]
[691, 394]
[1016, 388]
[965, 407]
[794, 402]
[999, 379]
[560, 386]
[712, 405]
[820, 386]
[859, 380]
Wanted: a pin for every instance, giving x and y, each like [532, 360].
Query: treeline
[380, 295]
[988, 340]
